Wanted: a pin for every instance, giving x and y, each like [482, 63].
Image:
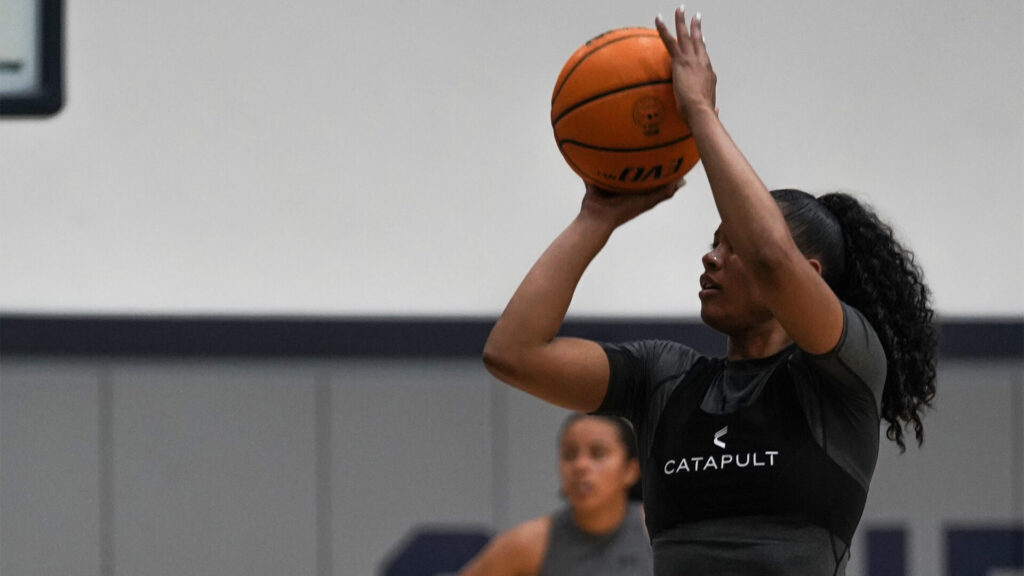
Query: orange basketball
[614, 113]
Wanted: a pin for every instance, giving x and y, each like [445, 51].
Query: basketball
[614, 114]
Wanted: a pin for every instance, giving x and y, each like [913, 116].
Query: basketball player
[759, 462]
[600, 532]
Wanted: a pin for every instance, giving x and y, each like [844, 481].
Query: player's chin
[586, 503]
[718, 316]
[712, 315]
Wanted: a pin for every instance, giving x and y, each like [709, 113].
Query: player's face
[729, 301]
[594, 465]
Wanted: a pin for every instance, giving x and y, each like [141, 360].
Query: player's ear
[816, 264]
[633, 473]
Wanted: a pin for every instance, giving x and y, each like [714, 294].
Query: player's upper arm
[568, 372]
[800, 299]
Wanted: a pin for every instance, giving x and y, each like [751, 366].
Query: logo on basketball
[648, 113]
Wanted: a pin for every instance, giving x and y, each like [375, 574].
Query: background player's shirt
[573, 552]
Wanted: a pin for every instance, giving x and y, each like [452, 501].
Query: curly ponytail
[879, 277]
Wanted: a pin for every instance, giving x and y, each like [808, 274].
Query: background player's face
[594, 465]
[729, 301]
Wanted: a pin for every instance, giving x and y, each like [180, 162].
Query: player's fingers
[695, 29]
[697, 33]
[666, 37]
[681, 32]
[669, 191]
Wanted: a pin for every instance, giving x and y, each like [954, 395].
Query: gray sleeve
[857, 365]
[636, 372]
[844, 395]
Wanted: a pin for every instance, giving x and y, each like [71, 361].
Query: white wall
[367, 157]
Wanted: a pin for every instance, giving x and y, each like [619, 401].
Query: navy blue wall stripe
[128, 336]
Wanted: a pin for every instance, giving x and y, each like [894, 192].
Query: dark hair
[871, 271]
[625, 433]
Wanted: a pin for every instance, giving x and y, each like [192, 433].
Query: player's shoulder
[528, 542]
[533, 529]
[857, 362]
[515, 552]
[664, 351]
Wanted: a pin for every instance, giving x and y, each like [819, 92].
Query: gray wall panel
[214, 469]
[412, 447]
[49, 473]
[533, 456]
[231, 467]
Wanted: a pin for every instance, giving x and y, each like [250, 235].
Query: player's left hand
[693, 79]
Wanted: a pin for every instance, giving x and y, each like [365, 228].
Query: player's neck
[761, 342]
[601, 520]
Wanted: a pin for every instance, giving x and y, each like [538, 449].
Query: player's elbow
[495, 362]
[509, 360]
[500, 359]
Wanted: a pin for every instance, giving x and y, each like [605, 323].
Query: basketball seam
[603, 94]
[576, 167]
[558, 90]
[562, 143]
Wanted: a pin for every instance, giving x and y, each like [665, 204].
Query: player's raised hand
[693, 79]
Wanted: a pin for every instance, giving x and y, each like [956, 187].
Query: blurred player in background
[600, 531]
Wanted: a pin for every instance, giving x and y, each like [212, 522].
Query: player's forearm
[750, 217]
[535, 313]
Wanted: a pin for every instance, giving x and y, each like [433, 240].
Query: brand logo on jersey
[718, 435]
[721, 462]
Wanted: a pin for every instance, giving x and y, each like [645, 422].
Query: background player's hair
[870, 270]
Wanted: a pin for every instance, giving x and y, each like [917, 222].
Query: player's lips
[581, 488]
[708, 286]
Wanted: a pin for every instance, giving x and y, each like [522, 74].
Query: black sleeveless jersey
[760, 460]
[756, 466]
